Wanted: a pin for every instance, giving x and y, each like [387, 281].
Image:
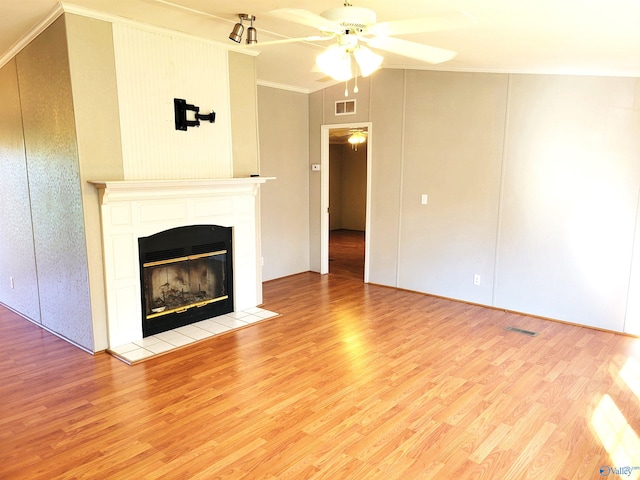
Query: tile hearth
[164, 342]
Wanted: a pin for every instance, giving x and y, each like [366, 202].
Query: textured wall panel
[17, 258]
[152, 70]
[52, 162]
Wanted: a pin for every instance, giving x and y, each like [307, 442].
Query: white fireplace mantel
[129, 190]
[132, 209]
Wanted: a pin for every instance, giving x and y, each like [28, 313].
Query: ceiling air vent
[345, 107]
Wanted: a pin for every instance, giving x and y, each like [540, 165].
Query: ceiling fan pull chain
[355, 88]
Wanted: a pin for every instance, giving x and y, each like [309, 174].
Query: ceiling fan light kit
[355, 26]
[335, 61]
[368, 61]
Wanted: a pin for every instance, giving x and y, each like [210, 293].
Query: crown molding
[37, 29]
[62, 7]
[282, 86]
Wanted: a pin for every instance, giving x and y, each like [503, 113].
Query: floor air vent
[520, 330]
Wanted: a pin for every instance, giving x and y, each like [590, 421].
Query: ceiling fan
[355, 28]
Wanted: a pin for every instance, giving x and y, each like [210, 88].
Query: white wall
[154, 68]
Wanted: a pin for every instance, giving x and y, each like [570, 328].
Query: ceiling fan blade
[409, 49]
[305, 17]
[430, 23]
[313, 38]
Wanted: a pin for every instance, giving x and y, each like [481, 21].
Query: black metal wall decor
[181, 107]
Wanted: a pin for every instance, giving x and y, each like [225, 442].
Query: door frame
[324, 194]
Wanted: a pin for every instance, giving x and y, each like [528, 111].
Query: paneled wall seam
[634, 253]
[26, 161]
[400, 189]
[503, 166]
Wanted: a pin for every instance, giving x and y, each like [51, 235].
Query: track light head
[238, 29]
[236, 33]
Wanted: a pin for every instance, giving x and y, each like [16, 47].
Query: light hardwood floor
[353, 381]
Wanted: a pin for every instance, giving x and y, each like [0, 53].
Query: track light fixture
[238, 29]
[252, 34]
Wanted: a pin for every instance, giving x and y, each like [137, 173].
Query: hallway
[346, 253]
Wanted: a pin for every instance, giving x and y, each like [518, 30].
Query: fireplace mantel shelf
[126, 190]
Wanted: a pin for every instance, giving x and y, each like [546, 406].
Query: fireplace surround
[133, 209]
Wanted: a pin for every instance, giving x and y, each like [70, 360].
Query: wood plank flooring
[346, 253]
[353, 381]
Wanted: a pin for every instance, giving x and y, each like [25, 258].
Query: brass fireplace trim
[184, 308]
[183, 259]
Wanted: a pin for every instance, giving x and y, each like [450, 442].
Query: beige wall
[347, 187]
[244, 114]
[316, 120]
[95, 104]
[387, 116]
[284, 154]
[335, 186]
[570, 195]
[453, 137]
[533, 184]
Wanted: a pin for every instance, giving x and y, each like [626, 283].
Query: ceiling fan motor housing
[351, 17]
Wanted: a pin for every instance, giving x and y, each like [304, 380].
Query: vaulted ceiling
[522, 36]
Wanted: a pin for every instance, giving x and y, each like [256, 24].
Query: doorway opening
[345, 199]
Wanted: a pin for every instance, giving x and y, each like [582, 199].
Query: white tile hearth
[164, 342]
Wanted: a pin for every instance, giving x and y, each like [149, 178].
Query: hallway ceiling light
[357, 137]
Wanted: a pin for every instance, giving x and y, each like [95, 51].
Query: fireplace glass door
[186, 276]
[177, 284]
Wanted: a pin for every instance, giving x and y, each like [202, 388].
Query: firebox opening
[186, 276]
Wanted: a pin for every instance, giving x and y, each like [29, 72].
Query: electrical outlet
[424, 199]
[476, 279]
[11, 282]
